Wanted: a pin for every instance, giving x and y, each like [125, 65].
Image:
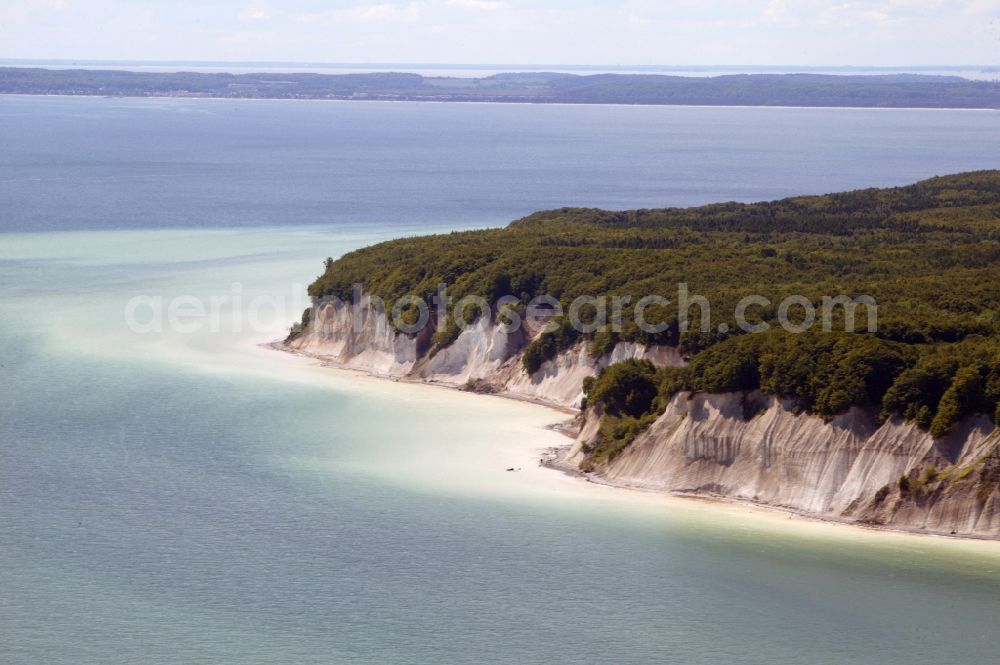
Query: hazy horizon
[686, 33]
[499, 65]
[478, 70]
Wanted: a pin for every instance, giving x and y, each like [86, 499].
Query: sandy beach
[538, 467]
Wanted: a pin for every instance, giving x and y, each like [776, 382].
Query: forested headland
[928, 253]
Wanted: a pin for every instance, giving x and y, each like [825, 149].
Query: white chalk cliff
[756, 448]
[483, 356]
[744, 446]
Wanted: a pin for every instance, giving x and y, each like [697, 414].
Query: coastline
[326, 362]
[552, 458]
[510, 103]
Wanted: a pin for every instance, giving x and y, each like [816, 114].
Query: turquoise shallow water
[193, 498]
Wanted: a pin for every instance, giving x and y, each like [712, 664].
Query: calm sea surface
[188, 497]
[74, 163]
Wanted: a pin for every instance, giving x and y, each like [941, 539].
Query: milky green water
[193, 498]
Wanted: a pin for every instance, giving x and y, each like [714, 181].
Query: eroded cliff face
[484, 357]
[745, 446]
[756, 448]
[357, 338]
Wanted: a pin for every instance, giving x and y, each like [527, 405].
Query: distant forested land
[888, 91]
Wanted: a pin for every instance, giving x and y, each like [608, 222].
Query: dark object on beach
[480, 387]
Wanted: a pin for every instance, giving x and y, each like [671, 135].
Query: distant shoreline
[986, 109]
[795, 90]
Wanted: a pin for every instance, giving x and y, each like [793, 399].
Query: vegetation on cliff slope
[929, 254]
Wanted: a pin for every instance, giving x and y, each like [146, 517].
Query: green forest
[929, 253]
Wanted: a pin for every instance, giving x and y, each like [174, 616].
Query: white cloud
[385, 12]
[981, 7]
[255, 12]
[23, 12]
[253, 38]
[636, 20]
[853, 15]
[922, 6]
[803, 32]
[481, 5]
[776, 11]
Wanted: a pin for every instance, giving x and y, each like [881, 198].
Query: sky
[596, 32]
